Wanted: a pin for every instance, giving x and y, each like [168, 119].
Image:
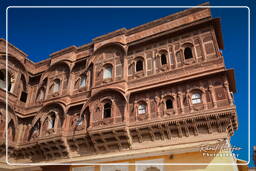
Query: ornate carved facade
[157, 85]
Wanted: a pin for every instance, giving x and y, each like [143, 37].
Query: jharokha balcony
[157, 85]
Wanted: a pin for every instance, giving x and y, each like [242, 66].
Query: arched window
[107, 110]
[142, 109]
[56, 86]
[163, 59]
[2, 80]
[139, 65]
[107, 72]
[83, 81]
[169, 104]
[51, 120]
[188, 53]
[196, 98]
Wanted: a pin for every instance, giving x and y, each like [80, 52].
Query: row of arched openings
[163, 58]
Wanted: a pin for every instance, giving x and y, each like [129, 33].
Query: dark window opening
[139, 65]
[2, 76]
[169, 104]
[188, 53]
[9, 86]
[23, 96]
[87, 117]
[163, 59]
[107, 110]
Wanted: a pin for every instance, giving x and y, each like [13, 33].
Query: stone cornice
[63, 51]
[166, 19]
[17, 49]
[110, 35]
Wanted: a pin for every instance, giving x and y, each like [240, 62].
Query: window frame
[141, 67]
[196, 98]
[166, 105]
[56, 82]
[105, 69]
[52, 120]
[161, 59]
[142, 109]
[82, 82]
[109, 109]
[191, 52]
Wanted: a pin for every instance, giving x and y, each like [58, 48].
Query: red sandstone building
[156, 93]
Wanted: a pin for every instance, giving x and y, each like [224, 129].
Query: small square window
[142, 109]
[196, 98]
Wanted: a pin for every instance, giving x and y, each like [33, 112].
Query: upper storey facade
[157, 53]
[164, 80]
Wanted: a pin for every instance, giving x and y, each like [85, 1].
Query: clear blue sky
[40, 32]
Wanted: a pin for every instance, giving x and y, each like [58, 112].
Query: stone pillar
[15, 81]
[181, 102]
[70, 86]
[171, 52]
[47, 88]
[148, 106]
[135, 109]
[190, 105]
[213, 96]
[154, 62]
[125, 68]
[230, 99]
[56, 123]
[204, 100]
[175, 104]
[126, 112]
[202, 49]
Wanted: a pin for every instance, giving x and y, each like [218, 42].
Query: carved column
[213, 96]
[179, 129]
[172, 55]
[71, 83]
[92, 111]
[202, 49]
[230, 99]
[148, 107]
[126, 112]
[125, 65]
[157, 102]
[56, 123]
[181, 102]
[205, 100]
[136, 109]
[20, 133]
[49, 81]
[41, 127]
[175, 104]
[154, 62]
[15, 81]
[190, 105]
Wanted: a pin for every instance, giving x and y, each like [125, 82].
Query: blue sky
[40, 32]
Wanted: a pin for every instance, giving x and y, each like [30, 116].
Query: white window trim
[82, 81]
[107, 72]
[196, 98]
[142, 109]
